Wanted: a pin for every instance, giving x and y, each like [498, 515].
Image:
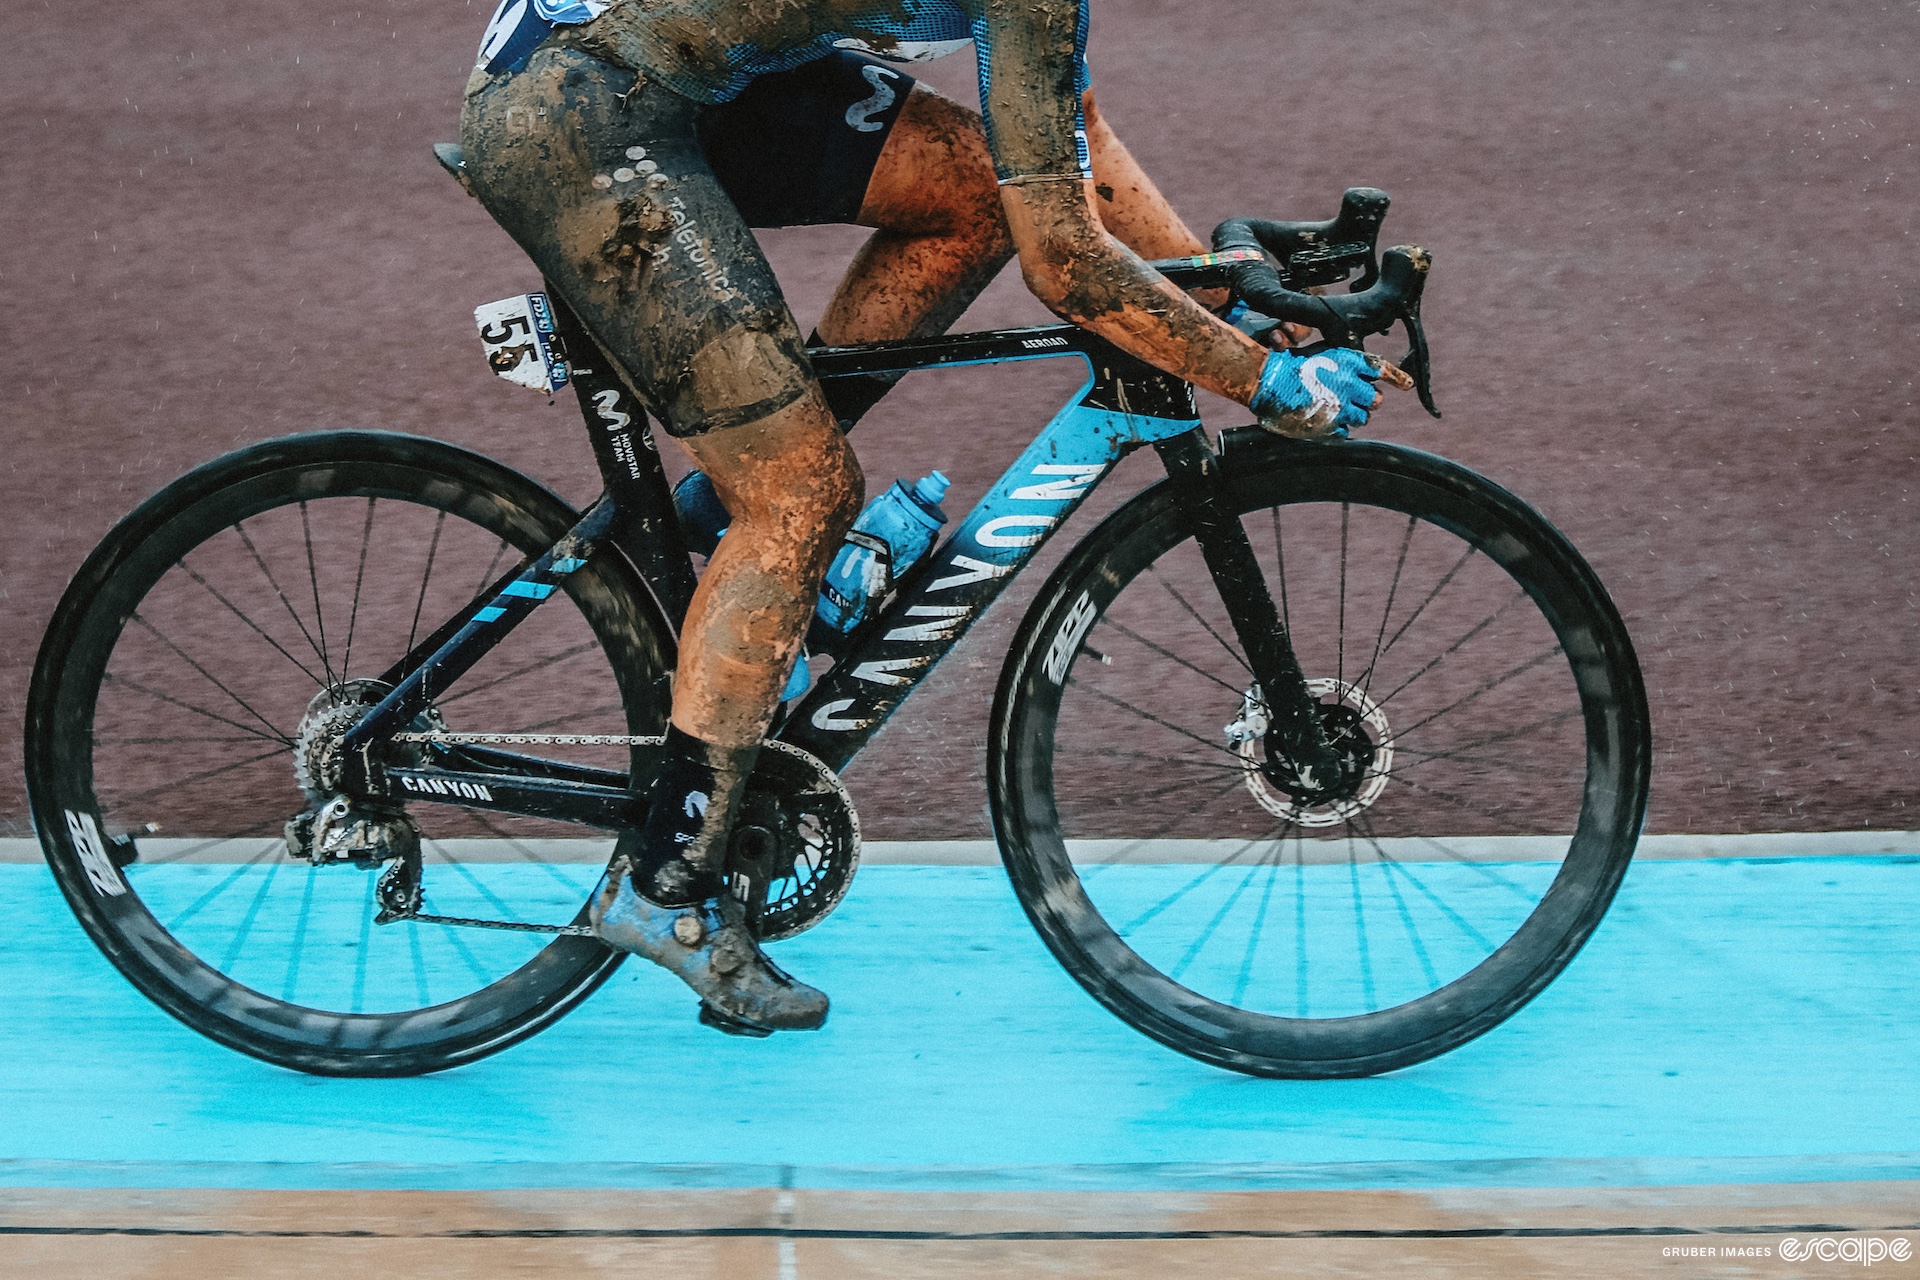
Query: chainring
[796, 843]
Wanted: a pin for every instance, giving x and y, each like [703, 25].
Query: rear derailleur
[364, 834]
[337, 828]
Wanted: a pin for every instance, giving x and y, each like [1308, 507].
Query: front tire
[1487, 694]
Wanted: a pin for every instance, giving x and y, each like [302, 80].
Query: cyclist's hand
[1320, 393]
[1263, 329]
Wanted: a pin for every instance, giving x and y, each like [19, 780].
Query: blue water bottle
[891, 536]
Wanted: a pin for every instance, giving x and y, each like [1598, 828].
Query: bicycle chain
[566, 930]
[534, 739]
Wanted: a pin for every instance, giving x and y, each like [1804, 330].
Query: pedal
[521, 347]
[712, 1017]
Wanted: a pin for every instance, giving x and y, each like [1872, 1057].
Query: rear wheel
[197, 673]
[1480, 688]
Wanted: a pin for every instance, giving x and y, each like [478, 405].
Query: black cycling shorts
[798, 147]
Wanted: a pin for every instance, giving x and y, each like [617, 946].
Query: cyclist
[583, 130]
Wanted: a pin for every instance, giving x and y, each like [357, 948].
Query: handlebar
[1309, 254]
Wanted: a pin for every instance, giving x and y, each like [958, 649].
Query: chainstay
[544, 740]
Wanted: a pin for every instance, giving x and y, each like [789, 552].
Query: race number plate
[518, 334]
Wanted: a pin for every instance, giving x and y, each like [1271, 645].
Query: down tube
[1006, 529]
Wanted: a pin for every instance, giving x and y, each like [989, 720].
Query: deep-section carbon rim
[1447, 884]
[167, 707]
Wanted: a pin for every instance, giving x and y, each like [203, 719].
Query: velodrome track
[1672, 308]
[1726, 1065]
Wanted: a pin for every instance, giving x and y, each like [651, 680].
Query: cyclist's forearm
[1085, 275]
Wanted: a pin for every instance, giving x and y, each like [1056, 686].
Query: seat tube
[630, 467]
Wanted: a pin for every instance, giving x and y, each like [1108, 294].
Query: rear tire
[1455, 641]
[163, 724]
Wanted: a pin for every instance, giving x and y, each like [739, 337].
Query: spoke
[1525, 895]
[1195, 613]
[1406, 922]
[313, 579]
[433, 549]
[246, 540]
[175, 784]
[1299, 924]
[487, 575]
[1460, 921]
[299, 941]
[1149, 716]
[1260, 918]
[1280, 557]
[1360, 929]
[1340, 641]
[1091, 871]
[123, 682]
[173, 925]
[1427, 757]
[1432, 595]
[574, 717]
[1168, 654]
[452, 934]
[174, 739]
[521, 849]
[1186, 785]
[253, 832]
[1158, 760]
[246, 922]
[1484, 689]
[1393, 590]
[212, 679]
[234, 609]
[480, 886]
[1157, 908]
[360, 960]
[1194, 948]
[1455, 647]
[1490, 814]
[359, 578]
[538, 664]
[419, 965]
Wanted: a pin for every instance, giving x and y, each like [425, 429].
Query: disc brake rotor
[1356, 728]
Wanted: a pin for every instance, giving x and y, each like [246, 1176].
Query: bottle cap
[931, 488]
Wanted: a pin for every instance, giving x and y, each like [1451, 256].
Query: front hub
[1362, 741]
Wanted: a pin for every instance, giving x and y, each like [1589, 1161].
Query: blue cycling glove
[1316, 394]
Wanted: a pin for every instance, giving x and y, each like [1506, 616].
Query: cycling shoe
[708, 946]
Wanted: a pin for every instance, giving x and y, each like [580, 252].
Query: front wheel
[1483, 695]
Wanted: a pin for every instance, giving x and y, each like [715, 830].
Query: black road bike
[1311, 760]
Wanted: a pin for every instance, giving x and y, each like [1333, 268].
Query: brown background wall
[1671, 307]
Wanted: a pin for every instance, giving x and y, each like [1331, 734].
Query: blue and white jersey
[711, 50]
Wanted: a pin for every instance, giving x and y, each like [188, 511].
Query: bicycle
[1319, 811]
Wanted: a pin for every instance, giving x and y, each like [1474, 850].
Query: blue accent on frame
[529, 590]
[489, 613]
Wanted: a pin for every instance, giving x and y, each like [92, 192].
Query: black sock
[681, 854]
[850, 397]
